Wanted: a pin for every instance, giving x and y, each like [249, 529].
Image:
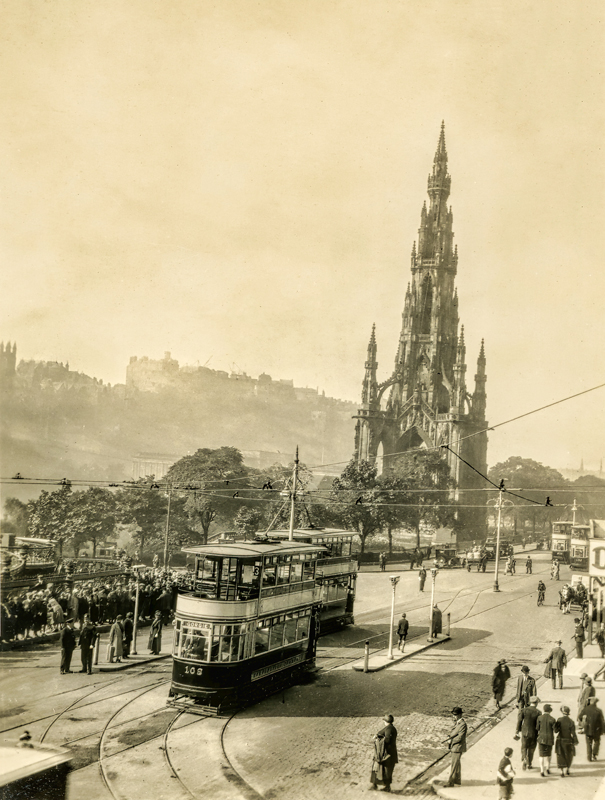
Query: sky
[240, 183]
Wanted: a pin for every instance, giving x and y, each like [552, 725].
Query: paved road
[310, 741]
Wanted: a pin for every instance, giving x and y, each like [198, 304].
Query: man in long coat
[436, 622]
[128, 631]
[385, 755]
[594, 727]
[526, 687]
[500, 675]
[67, 639]
[558, 661]
[116, 639]
[87, 641]
[457, 745]
[586, 691]
[527, 727]
[578, 636]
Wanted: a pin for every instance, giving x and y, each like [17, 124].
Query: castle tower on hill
[429, 402]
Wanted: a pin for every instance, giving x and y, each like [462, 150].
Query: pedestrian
[422, 578]
[555, 570]
[567, 739]
[556, 662]
[385, 755]
[382, 560]
[500, 675]
[527, 726]
[528, 566]
[86, 642]
[435, 622]
[484, 562]
[593, 726]
[505, 776]
[128, 629]
[513, 563]
[402, 631]
[541, 592]
[587, 691]
[526, 687]
[457, 745]
[545, 725]
[67, 639]
[155, 634]
[579, 634]
[600, 639]
[115, 647]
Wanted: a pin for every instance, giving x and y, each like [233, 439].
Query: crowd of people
[45, 607]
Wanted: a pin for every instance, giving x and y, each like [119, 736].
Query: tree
[212, 477]
[16, 517]
[536, 482]
[355, 499]
[49, 516]
[427, 479]
[248, 521]
[92, 516]
[143, 507]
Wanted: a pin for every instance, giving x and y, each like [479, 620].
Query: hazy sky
[242, 181]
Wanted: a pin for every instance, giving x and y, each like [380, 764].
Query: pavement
[480, 762]
[381, 659]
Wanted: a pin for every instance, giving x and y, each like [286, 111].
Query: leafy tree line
[213, 490]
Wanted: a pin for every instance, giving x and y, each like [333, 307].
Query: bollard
[447, 623]
[366, 657]
[97, 646]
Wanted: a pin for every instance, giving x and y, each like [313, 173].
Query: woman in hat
[385, 755]
[116, 638]
[500, 675]
[566, 741]
[545, 725]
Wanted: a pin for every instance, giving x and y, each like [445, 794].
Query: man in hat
[402, 631]
[587, 691]
[526, 687]
[527, 727]
[558, 660]
[579, 637]
[385, 755]
[436, 626]
[67, 640]
[594, 727]
[128, 630]
[87, 641]
[456, 742]
[500, 675]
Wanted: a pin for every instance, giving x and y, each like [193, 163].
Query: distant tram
[578, 548]
[249, 625]
[336, 572]
[561, 541]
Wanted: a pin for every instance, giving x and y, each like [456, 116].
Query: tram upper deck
[246, 579]
[337, 558]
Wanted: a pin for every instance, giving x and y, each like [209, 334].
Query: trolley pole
[394, 581]
[433, 578]
[136, 609]
[293, 496]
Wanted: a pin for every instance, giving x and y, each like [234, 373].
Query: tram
[336, 572]
[578, 548]
[561, 541]
[249, 625]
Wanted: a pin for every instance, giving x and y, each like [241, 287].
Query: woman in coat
[155, 634]
[545, 725]
[499, 677]
[116, 636]
[566, 741]
[385, 755]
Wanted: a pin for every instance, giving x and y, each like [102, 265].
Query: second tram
[561, 541]
[249, 625]
[336, 572]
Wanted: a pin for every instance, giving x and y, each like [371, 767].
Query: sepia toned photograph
[301, 389]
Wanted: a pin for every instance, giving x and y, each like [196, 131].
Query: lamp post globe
[394, 581]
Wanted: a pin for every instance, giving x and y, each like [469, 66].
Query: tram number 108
[193, 670]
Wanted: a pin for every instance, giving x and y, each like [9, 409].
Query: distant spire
[441, 152]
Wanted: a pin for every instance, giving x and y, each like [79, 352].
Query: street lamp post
[434, 571]
[394, 581]
[499, 504]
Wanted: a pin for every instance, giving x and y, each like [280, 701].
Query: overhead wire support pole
[499, 506]
[167, 527]
[293, 496]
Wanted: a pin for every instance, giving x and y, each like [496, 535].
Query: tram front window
[207, 573]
